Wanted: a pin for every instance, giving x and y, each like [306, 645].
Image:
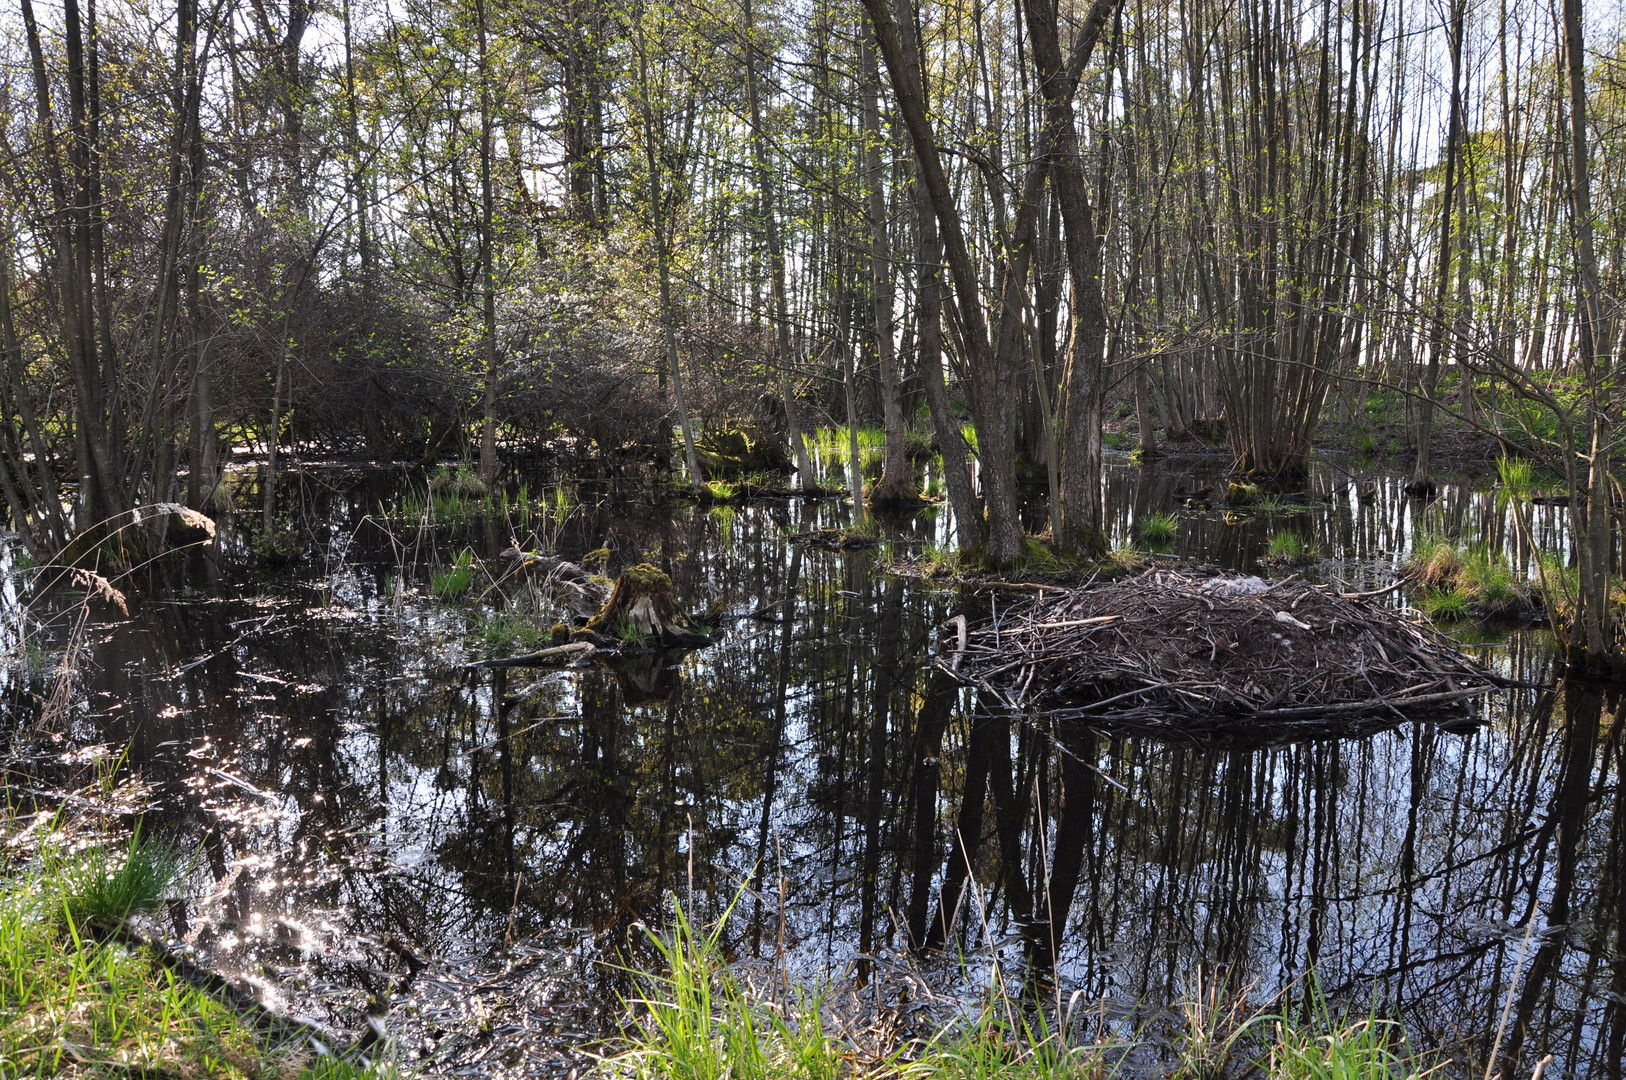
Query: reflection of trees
[410, 803]
[1404, 865]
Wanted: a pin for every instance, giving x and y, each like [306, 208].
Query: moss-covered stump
[641, 611]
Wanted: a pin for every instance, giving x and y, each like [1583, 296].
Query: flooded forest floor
[376, 840]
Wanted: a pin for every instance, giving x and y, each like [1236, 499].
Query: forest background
[433, 228]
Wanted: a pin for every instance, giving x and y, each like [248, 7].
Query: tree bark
[1420, 481]
[1081, 532]
[768, 197]
[1594, 523]
[488, 279]
[897, 483]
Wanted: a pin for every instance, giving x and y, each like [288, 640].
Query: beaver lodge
[1216, 655]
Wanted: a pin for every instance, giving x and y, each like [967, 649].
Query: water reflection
[357, 796]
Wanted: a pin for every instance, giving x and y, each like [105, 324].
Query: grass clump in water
[1157, 528]
[1289, 549]
[722, 490]
[1223, 1036]
[1467, 582]
[462, 483]
[1340, 1045]
[453, 581]
[503, 631]
[696, 1020]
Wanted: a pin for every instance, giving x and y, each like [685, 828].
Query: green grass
[1443, 606]
[1157, 528]
[696, 1021]
[1339, 1046]
[463, 482]
[1466, 581]
[631, 632]
[722, 490]
[503, 632]
[1289, 548]
[76, 1000]
[833, 445]
[941, 559]
[453, 581]
[694, 1018]
[102, 886]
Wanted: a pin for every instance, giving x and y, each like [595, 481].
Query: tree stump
[641, 611]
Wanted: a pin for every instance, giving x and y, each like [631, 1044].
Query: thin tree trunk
[488, 298]
[1420, 481]
[962, 494]
[663, 268]
[767, 194]
[897, 483]
[1595, 621]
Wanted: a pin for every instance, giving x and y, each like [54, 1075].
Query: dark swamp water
[355, 798]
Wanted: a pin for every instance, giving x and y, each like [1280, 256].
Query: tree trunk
[488, 297]
[1081, 531]
[897, 483]
[767, 194]
[1593, 526]
[1420, 481]
[991, 361]
[962, 494]
[663, 269]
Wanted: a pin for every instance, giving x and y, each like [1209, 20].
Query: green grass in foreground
[77, 1001]
[697, 1020]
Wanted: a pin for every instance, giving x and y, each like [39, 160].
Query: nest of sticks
[1216, 655]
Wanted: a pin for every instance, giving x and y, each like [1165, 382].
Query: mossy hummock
[641, 611]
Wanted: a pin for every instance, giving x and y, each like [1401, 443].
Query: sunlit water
[354, 795]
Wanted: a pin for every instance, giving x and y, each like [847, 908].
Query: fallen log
[556, 654]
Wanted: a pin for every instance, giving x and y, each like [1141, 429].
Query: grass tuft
[503, 631]
[101, 887]
[1158, 528]
[1467, 582]
[453, 581]
[1289, 549]
[695, 1020]
[1340, 1047]
[75, 1003]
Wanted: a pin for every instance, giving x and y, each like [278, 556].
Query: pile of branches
[1216, 655]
